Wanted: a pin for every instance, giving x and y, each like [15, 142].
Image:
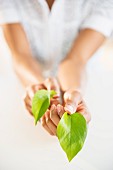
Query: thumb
[71, 100]
[52, 84]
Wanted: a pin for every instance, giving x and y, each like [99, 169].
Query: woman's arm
[26, 67]
[72, 70]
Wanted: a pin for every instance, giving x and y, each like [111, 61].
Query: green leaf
[71, 132]
[41, 102]
[52, 93]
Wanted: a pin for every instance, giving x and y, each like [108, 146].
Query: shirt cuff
[9, 16]
[99, 23]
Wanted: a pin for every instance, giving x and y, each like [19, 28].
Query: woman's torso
[51, 33]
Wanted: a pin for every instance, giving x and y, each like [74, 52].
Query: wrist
[77, 59]
[75, 82]
[73, 89]
[39, 79]
[33, 79]
[72, 74]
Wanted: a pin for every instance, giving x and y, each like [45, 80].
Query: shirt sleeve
[100, 18]
[8, 12]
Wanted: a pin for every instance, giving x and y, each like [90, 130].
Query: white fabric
[51, 34]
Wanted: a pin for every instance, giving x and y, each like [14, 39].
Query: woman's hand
[29, 94]
[51, 118]
[73, 102]
[48, 84]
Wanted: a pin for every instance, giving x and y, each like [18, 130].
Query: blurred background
[26, 146]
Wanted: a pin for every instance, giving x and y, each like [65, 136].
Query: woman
[50, 38]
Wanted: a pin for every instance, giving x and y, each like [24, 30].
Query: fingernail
[59, 108]
[53, 107]
[56, 96]
[69, 108]
[47, 119]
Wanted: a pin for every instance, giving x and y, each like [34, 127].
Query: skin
[50, 3]
[71, 73]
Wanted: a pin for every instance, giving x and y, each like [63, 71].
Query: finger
[28, 106]
[29, 109]
[54, 115]
[30, 91]
[43, 122]
[86, 115]
[71, 99]
[60, 110]
[27, 100]
[56, 96]
[82, 108]
[33, 89]
[50, 123]
[54, 101]
[52, 84]
[39, 87]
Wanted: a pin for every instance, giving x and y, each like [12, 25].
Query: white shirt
[51, 33]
